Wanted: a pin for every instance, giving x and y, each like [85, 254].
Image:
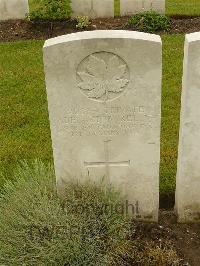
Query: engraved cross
[107, 163]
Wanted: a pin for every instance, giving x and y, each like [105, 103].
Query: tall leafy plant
[51, 10]
[150, 21]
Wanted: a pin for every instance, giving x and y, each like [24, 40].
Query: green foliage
[37, 228]
[83, 22]
[51, 10]
[149, 22]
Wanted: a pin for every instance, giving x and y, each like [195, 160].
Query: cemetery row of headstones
[17, 9]
[96, 8]
[104, 98]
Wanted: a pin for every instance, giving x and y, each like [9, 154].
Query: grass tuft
[37, 228]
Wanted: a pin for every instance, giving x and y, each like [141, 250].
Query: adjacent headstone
[93, 8]
[188, 173]
[104, 96]
[131, 7]
[13, 9]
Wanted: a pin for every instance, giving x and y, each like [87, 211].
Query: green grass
[173, 7]
[24, 125]
[183, 7]
[117, 7]
[171, 94]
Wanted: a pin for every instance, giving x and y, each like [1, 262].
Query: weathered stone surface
[188, 173]
[13, 9]
[104, 94]
[93, 8]
[130, 7]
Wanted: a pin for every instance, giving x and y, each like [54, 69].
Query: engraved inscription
[103, 76]
[107, 121]
[107, 163]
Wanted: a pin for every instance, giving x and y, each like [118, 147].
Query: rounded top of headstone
[103, 34]
[192, 37]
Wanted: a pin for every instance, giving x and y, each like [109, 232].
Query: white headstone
[130, 7]
[188, 173]
[104, 95]
[93, 8]
[13, 9]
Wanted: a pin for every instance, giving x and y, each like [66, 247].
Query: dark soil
[26, 30]
[184, 237]
[167, 200]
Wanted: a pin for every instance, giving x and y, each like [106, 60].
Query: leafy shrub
[36, 228]
[51, 10]
[150, 22]
[83, 22]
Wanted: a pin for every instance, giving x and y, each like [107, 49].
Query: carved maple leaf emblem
[100, 77]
